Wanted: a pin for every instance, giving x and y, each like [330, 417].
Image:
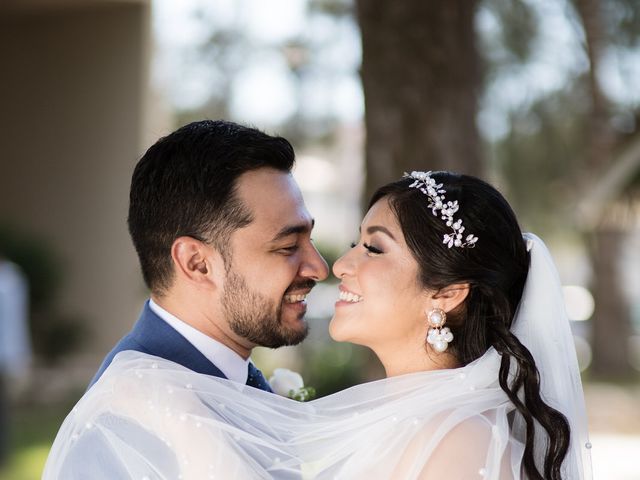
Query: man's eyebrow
[379, 228]
[294, 230]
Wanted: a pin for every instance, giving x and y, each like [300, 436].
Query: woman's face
[381, 303]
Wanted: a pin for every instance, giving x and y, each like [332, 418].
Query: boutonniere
[290, 384]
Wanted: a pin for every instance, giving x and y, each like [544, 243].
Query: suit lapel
[161, 340]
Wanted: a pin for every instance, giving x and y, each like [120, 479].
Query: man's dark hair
[185, 185]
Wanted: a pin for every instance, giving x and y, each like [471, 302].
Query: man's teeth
[349, 297]
[294, 298]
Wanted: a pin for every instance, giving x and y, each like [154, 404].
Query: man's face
[273, 263]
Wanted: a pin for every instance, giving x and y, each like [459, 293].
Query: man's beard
[257, 318]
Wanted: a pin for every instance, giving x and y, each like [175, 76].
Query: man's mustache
[302, 285]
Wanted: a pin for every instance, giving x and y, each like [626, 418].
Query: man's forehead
[275, 201]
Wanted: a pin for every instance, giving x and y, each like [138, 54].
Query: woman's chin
[344, 330]
[337, 330]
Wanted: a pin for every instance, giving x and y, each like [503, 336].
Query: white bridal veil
[148, 418]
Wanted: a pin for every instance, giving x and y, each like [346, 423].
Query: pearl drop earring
[438, 337]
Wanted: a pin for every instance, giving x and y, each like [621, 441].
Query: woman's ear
[450, 297]
[193, 260]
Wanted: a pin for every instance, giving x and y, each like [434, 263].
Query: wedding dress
[148, 418]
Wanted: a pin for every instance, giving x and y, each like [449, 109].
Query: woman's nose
[343, 265]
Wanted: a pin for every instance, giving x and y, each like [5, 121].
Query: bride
[464, 312]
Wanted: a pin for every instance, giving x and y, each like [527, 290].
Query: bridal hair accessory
[433, 190]
[438, 337]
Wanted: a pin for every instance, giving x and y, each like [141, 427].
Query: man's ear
[450, 297]
[193, 260]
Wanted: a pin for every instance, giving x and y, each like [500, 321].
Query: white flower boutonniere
[290, 384]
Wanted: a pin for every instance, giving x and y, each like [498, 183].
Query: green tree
[572, 165]
[606, 234]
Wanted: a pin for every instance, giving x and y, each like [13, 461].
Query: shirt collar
[229, 362]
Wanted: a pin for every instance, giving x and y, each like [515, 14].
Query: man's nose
[314, 266]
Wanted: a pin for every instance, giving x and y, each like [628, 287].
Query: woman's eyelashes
[369, 248]
[372, 249]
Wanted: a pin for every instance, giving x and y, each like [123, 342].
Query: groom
[223, 238]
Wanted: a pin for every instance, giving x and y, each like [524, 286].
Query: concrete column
[73, 83]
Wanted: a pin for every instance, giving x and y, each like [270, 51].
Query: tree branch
[607, 186]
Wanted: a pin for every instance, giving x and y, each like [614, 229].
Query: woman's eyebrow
[379, 228]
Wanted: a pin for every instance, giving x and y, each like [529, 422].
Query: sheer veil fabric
[148, 418]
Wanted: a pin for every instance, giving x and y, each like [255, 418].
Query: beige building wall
[73, 83]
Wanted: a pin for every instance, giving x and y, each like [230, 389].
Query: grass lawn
[33, 429]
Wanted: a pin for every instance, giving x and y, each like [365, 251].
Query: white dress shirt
[229, 362]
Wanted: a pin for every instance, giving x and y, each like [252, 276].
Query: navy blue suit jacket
[156, 337]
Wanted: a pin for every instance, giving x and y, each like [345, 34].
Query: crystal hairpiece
[427, 185]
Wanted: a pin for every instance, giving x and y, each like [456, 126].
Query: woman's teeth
[294, 298]
[349, 297]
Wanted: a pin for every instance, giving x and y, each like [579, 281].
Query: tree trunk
[421, 77]
[611, 325]
[612, 319]
[600, 135]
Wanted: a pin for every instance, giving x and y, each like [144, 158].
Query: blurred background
[540, 97]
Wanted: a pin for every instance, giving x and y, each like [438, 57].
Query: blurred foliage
[334, 8]
[562, 144]
[540, 157]
[229, 50]
[56, 335]
[623, 22]
[330, 253]
[38, 262]
[518, 28]
[543, 159]
[330, 366]
[53, 334]
[32, 431]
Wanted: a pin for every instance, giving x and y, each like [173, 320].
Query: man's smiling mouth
[295, 298]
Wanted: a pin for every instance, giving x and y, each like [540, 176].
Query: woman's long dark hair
[496, 270]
